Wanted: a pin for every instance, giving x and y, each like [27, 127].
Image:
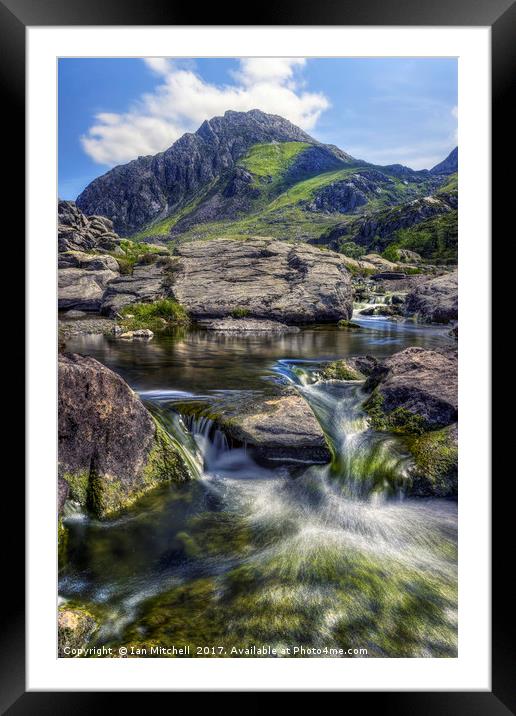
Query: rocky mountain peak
[449, 165]
[150, 188]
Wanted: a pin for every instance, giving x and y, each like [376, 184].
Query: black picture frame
[500, 15]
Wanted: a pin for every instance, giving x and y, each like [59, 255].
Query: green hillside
[277, 189]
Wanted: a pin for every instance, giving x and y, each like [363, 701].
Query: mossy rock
[111, 449]
[435, 457]
[75, 627]
[399, 420]
[341, 370]
[350, 325]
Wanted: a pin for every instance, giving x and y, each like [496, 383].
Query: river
[308, 560]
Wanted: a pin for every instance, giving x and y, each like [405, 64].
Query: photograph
[257, 266]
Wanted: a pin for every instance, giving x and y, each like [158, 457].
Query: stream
[251, 560]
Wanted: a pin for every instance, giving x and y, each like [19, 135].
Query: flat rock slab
[435, 301]
[269, 279]
[282, 428]
[245, 325]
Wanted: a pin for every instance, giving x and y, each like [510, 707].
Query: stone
[77, 232]
[111, 450]
[147, 283]
[83, 289]
[143, 333]
[420, 382]
[244, 325]
[75, 626]
[265, 278]
[75, 314]
[435, 300]
[281, 428]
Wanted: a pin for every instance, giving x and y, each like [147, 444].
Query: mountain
[256, 174]
[448, 165]
[150, 188]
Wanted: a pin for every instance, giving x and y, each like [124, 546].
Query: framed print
[258, 330]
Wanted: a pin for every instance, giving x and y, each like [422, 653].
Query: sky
[382, 110]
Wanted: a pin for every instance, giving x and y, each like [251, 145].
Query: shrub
[156, 316]
[240, 312]
[352, 250]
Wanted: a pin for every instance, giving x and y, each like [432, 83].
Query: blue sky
[383, 110]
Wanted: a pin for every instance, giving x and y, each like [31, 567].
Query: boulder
[414, 390]
[277, 426]
[434, 469]
[264, 277]
[147, 283]
[435, 300]
[111, 450]
[83, 289]
[281, 429]
[75, 626]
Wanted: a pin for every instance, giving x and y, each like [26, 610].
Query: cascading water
[365, 462]
[313, 556]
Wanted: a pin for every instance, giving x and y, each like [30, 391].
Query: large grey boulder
[82, 288]
[277, 425]
[263, 278]
[415, 382]
[111, 450]
[434, 301]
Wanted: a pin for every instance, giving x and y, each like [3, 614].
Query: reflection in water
[323, 557]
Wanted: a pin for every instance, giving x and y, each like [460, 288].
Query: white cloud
[183, 100]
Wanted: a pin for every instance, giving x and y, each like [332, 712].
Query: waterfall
[364, 461]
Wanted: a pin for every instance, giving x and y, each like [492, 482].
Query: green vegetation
[435, 457]
[136, 252]
[240, 312]
[271, 160]
[343, 323]
[156, 316]
[352, 250]
[435, 239]
[399, 420]
[341, 370]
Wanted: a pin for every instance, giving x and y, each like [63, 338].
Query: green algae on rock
[111, 450]
[75, 626]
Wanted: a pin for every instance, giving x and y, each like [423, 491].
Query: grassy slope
[279, 209]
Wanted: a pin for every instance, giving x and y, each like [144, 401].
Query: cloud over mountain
[182, 100]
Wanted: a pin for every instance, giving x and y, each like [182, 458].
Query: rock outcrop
[419, 384]
[77, 232]
[148, 282]
[111, 450]
[381, 225]
[262, 278]
[434, 301]
[83, 288]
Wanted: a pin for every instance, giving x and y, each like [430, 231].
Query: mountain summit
[150, 188]
[257, 174]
